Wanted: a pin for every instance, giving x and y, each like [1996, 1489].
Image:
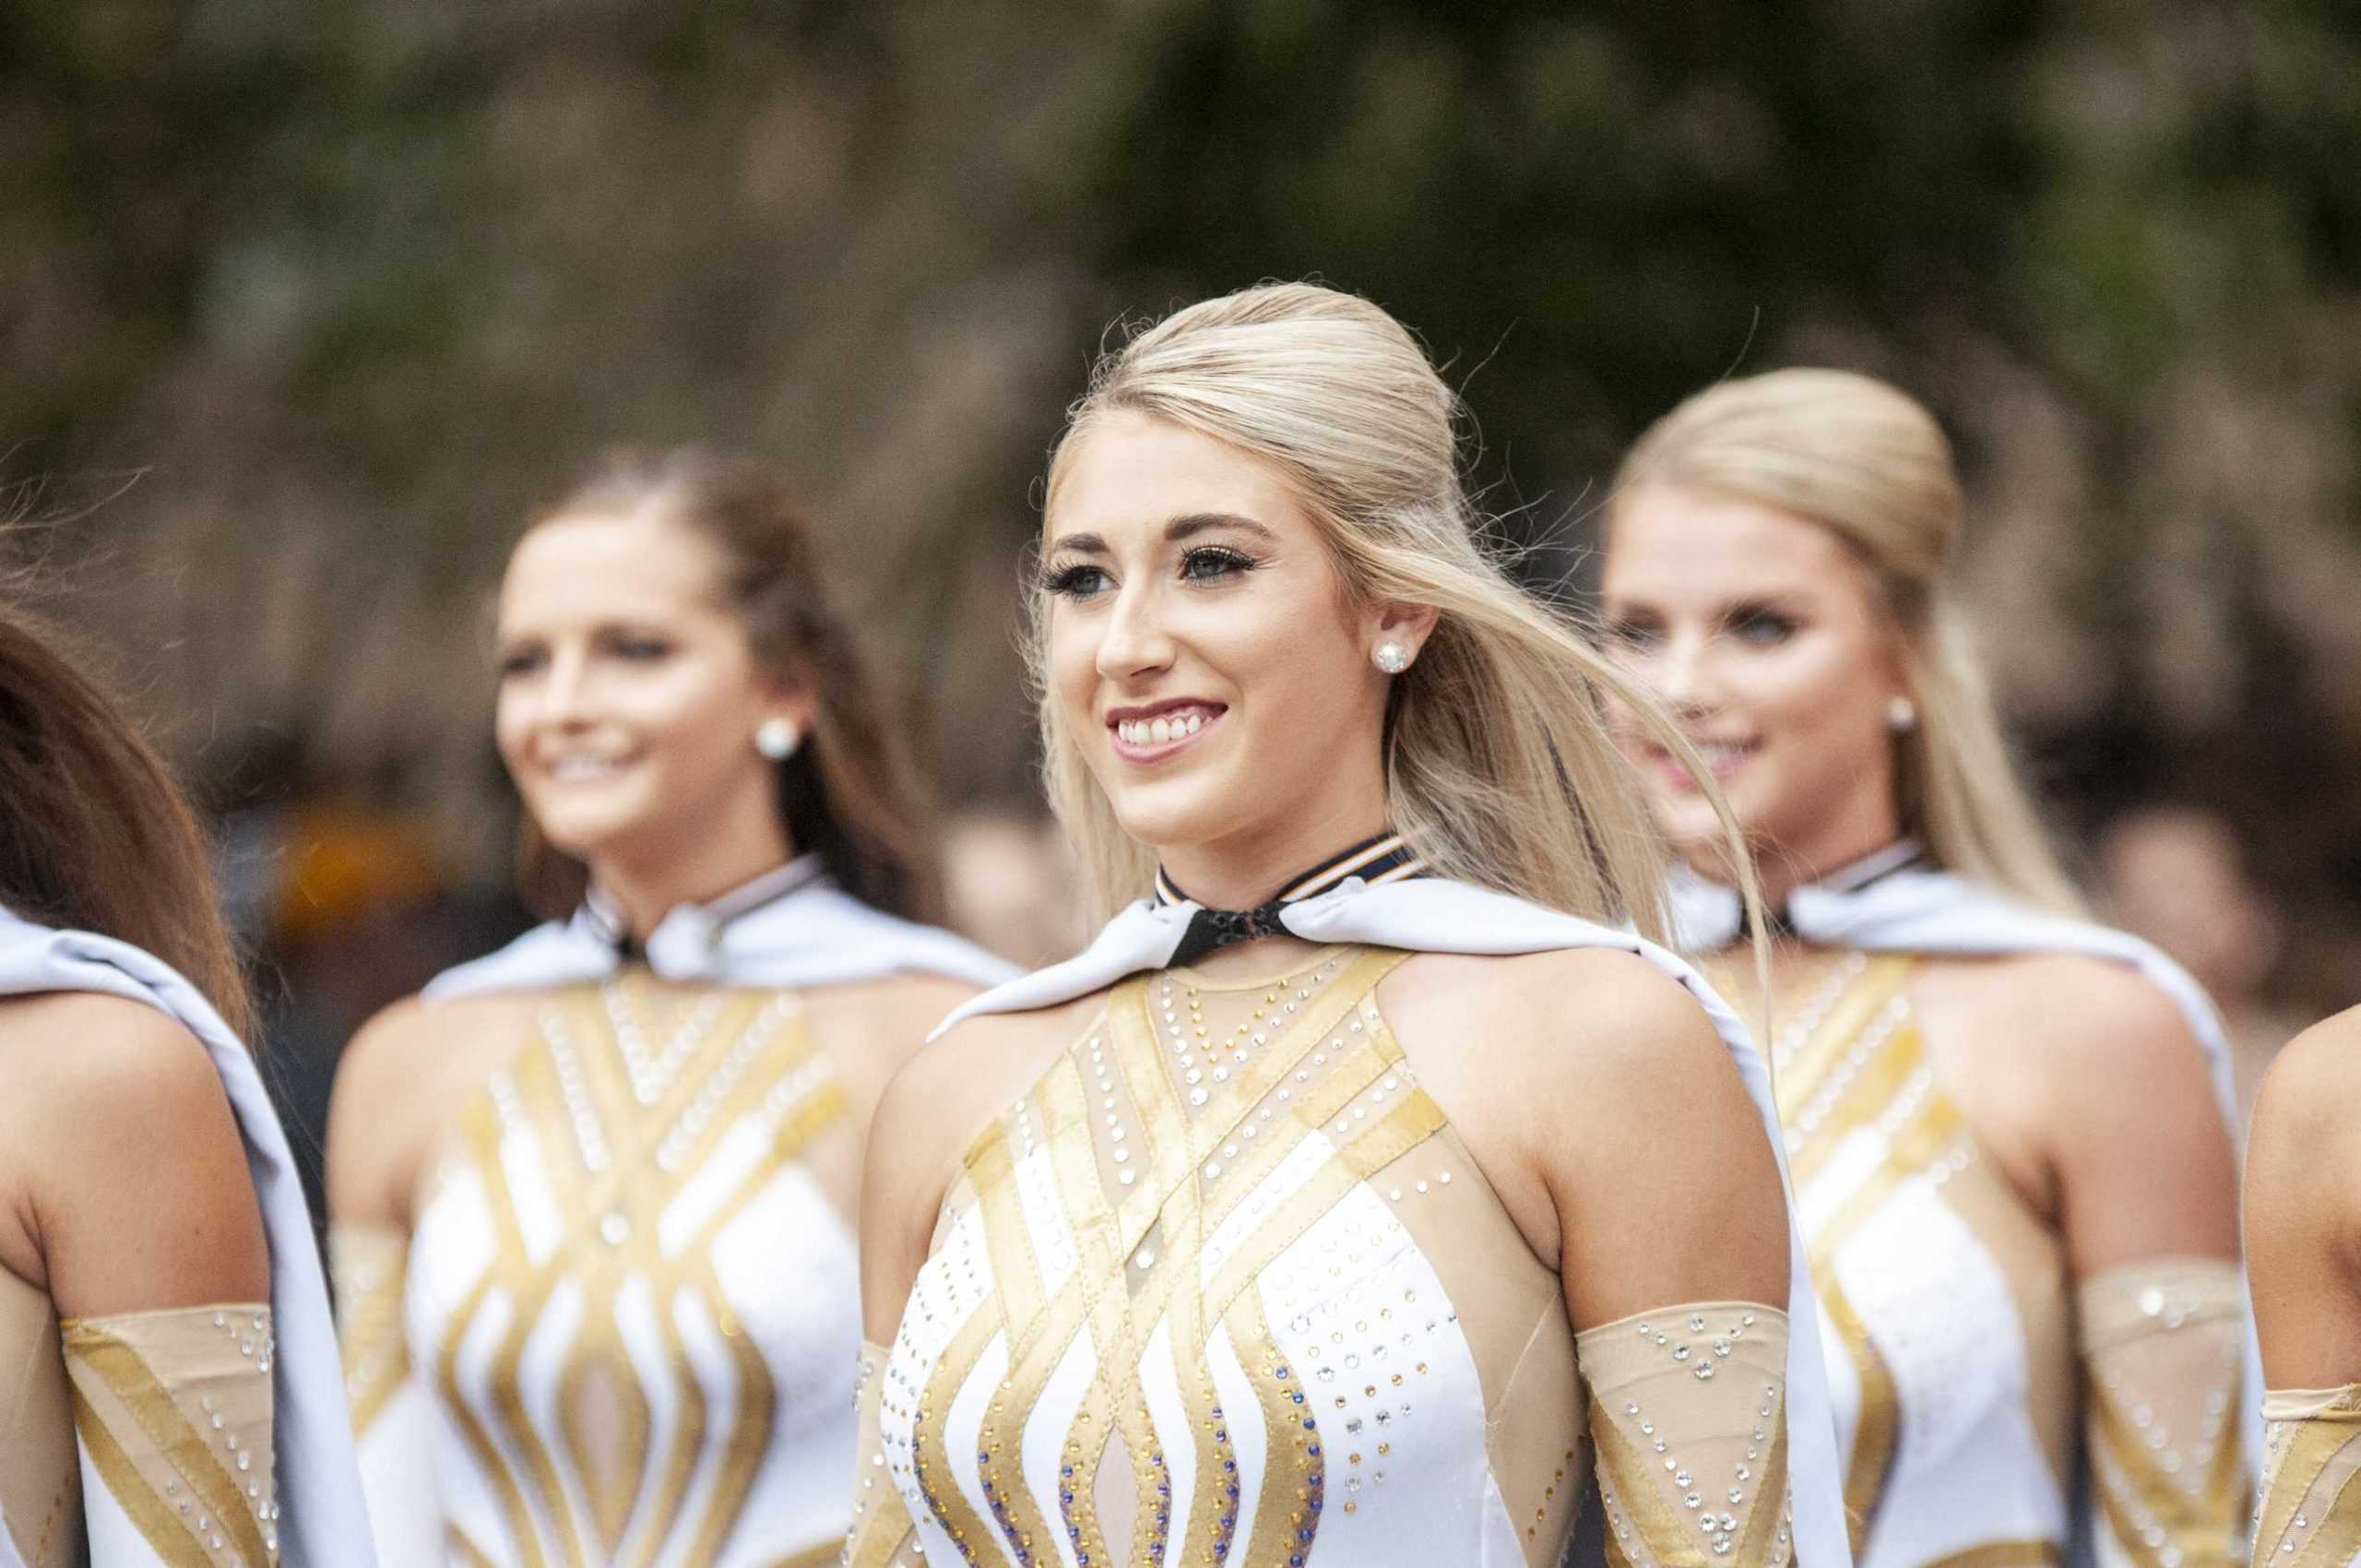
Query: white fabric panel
[1043, 1429]
[1969, 1468]
[1168, 1414]
[1045, 1220]
[397, 1457]
[115, 1542]
[1434, 1423]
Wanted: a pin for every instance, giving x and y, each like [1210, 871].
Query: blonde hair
[1499, 770]
[1866, 461]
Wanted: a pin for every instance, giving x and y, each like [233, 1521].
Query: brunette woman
[1358, 1187]
[593, 1194]
[172, 1379]
[2005, 1124]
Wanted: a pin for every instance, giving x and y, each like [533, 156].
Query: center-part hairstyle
[95, 833]
[1499, 768]
[1866, 461]
[851, 792]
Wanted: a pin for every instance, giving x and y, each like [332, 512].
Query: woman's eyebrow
[1082, 543]
[1195, 523]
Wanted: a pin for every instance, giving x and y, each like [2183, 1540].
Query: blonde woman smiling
[2007, 1126]
[1357, 1185]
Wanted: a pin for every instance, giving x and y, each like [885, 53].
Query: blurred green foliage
[355, 282]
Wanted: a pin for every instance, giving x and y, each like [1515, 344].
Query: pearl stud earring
[1900, 715]
[777, 738]
[1391, 657]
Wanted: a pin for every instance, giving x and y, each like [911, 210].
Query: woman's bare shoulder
[951, 1086]
[75, 1054]
[122, 1147]
[1555, 1019]
[398, 1082]
[2312, 1089]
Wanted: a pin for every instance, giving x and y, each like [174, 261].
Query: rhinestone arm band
[2310, 1515]
[1688, 1411]
[881, 1536]
[173, 1417]
[2161, 1344]
[393, 1420]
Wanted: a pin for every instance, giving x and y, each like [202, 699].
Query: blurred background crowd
[303, 304]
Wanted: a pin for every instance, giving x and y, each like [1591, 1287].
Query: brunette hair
[1866, 461]
[851, 792]
[95, 833]
[1500, 769]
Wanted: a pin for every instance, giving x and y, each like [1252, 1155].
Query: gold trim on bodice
[1140, 1211]
[1202, 1225]
[610, 1155]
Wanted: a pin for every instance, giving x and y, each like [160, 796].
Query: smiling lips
[1150, 734]
[1722, 759]
[577, 769]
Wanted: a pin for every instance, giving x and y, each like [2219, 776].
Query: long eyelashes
[1206, 563]
[1074, 582]
[1214, 561]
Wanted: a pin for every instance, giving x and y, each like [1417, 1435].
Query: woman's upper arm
[1656, 1159]
[2303, 1210]
[137, 1175]
[2143, 1158]
[375, 1118]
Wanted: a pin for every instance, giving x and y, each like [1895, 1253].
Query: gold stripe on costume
[376, 1348]
[825, 1556]
[2003, 1554]
[1625, 1479]
[114, 1386]
[465, 1551]
[1140, 1261]
[2206, 1519]
[2320, 1439]
[171, 1538]
[1881, 981]
[625, 1099]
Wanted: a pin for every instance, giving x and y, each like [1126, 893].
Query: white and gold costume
[2310, 1514]
[1992, 1412]
[1224, 1286]
[212, 1436]
[625, 1328]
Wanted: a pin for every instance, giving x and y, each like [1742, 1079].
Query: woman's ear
[1407, 624]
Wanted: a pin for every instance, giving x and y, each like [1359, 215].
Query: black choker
[1383, 859]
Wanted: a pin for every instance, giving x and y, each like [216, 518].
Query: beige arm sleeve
[2161, 1345]
[2310, 1515]
[881, 1536]
[1688, 1411]
[173, 1418]
[393, 1418]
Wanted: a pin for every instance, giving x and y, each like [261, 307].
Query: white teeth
[1163, 731]
[581, 768]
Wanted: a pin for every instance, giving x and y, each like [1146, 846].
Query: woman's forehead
[612, 564]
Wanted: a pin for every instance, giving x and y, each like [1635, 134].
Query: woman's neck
[1782, 869]
[1246, 869]
[643, 894]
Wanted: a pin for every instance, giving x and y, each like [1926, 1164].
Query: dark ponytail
[95, 833]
